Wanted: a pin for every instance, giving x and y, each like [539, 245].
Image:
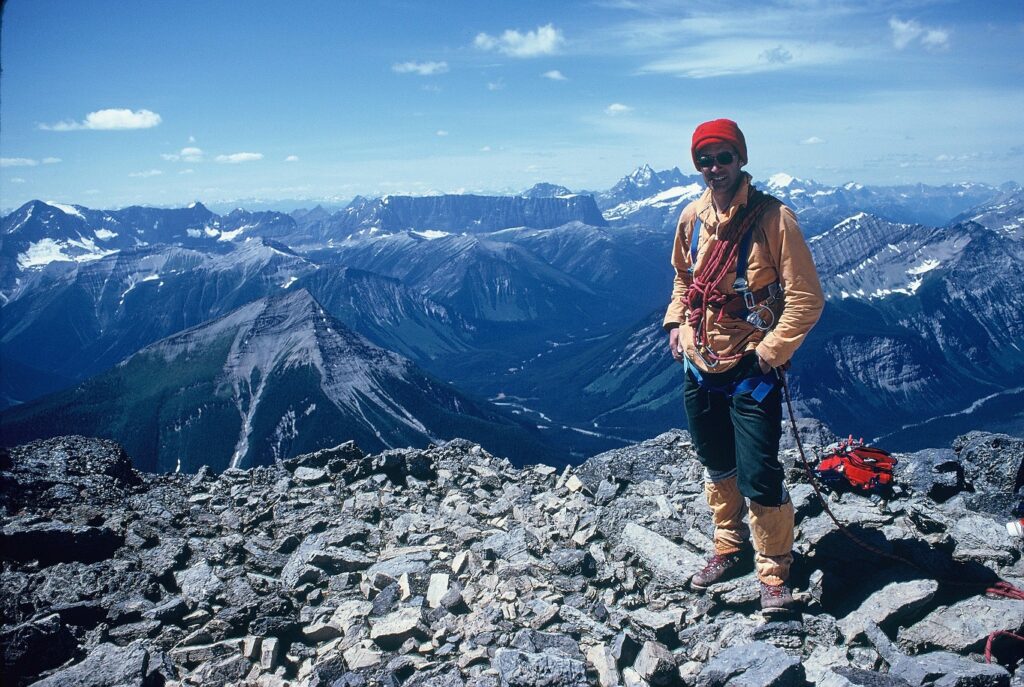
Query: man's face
[720, 177]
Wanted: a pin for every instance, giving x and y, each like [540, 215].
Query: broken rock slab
[945, 669]
[964, 626]
[669, 563]
[894, 602]
[757, 664]
[521, 669]
[391, 631]
[105, 665]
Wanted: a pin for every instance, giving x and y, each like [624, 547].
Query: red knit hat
[719, 131]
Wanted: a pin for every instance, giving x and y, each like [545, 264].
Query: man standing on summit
[745, 295]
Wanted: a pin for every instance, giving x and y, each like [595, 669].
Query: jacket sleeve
[798, 277]
[676, 312]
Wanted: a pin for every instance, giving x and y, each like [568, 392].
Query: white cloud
[544, 41]
[191, 139]
[51, 160]
[617, 109]
[555, 75]
[17, 180]
[495, 85]
[292, 158]
[108, 120]
[752, 56]
[485, 149]
[190, 154]
[906, 32]
[187, 171]
[420, 68]
[442, 132]
[236, 158]
[17, 162]
[813, 140]
[145, 175]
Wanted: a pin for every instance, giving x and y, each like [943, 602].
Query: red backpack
[856, 466]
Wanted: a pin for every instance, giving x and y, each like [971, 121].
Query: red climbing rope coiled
[704, 292]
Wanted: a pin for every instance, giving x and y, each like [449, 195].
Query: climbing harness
[854, 465]
[733, 247]
[758, 387]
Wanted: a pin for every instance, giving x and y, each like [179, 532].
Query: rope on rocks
[998, 633]
[1001, 588]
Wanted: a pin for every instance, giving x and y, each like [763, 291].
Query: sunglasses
[722, 159]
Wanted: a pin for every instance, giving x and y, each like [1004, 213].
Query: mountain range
[540, 312]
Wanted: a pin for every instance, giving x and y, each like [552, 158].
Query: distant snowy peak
[1004, 214]
[643, 183]
[780, 180]
[672, 199]
[642, 176]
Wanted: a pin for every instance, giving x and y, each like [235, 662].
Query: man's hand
[765, 367]
[673, 344]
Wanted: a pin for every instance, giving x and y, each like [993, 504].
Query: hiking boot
[718, 568]
[776, 597]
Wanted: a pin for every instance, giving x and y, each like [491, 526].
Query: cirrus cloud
[18, 162]
[109, 120]
[237, 158]
[544, 41]
[906, 32]
[420, 68]
[813, 140]
[146, 174]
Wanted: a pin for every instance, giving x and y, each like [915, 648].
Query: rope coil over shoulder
[732, 248]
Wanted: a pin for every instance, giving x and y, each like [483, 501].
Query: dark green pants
[738, 435]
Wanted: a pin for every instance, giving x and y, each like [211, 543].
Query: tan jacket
[778, 253]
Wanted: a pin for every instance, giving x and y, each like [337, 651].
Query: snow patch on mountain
[672, 197]
[431, 234]
[66, 209]
[45, 251]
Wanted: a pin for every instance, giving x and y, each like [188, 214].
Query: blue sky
[107, 103]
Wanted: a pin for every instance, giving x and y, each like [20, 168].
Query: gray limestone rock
[32, 647]
[752, 665]
[533, 641]
[636, 463]
[199, 583]
[522, 669]
[670, 563]
[936, 473]
[391, 631]
[944, 669]
[964, 626]
[893, 603]
[993, 466]
[848, 676]
[105, 666]
[981, 539]
[656, 665]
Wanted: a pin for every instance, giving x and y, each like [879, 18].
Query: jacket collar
[707, 213]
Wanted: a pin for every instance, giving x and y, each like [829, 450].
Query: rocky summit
[450, 567]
